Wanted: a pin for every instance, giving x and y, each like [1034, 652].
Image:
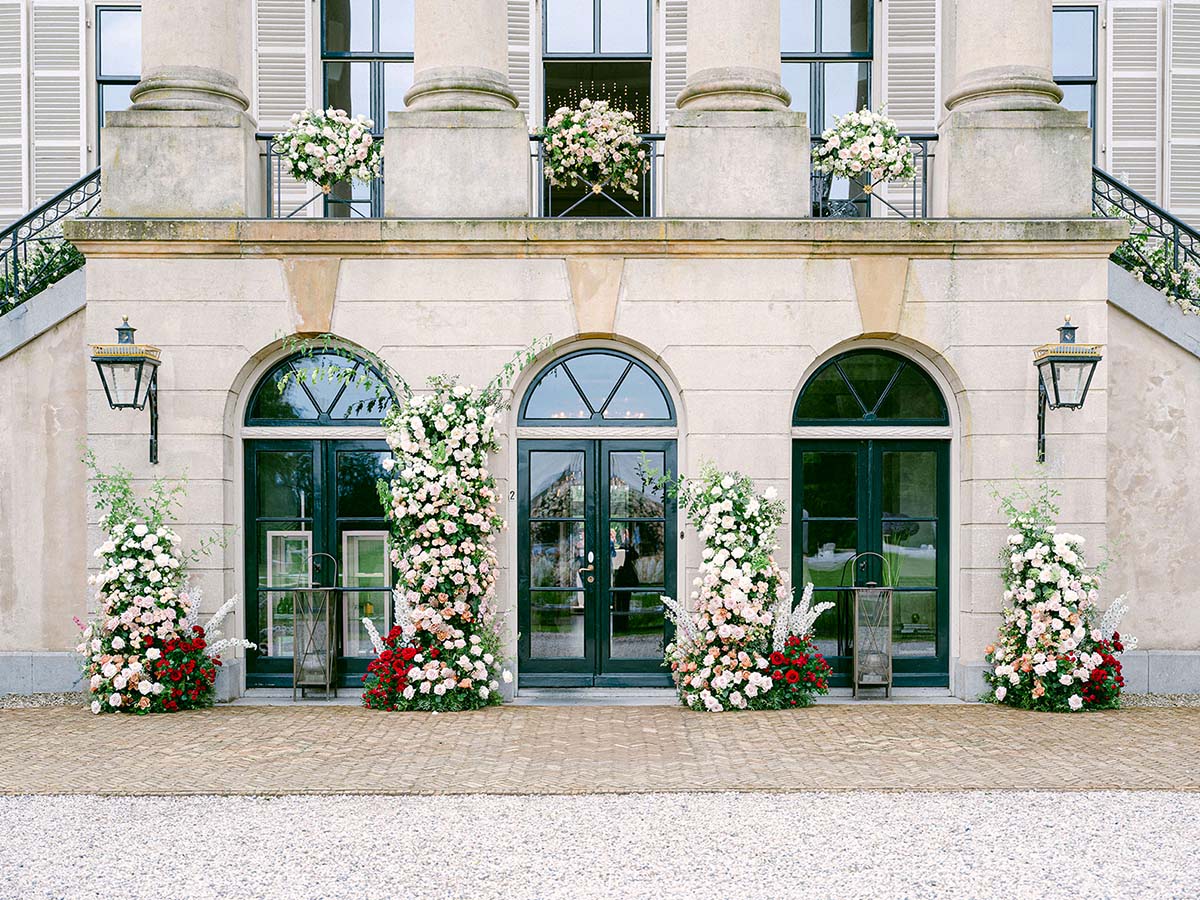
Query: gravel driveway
[959, 845]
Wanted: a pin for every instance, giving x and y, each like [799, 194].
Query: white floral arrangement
[596, 145]
[865, 144]
[327, 147]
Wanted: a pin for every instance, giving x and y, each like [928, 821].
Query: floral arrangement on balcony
[741, 646]
[865, 147]
[594, 145]
[145, 651]
[325, 147]
[1055, 652]
[1150, 257]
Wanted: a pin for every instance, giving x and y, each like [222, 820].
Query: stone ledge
[1145, 672]
[37, 672]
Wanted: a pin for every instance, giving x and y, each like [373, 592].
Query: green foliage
[1149, 257]
[52, 260]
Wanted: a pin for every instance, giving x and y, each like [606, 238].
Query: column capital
[733, 57]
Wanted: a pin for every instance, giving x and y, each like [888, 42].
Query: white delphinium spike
[1112, 618]
[781, 619]
[402, 609]
[194, 596]
[805, 615]
[224, 644]
[678, 613]
[373, 633]
[213, 625]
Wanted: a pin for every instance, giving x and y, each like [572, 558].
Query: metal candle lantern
[872, 639]
[312, 648]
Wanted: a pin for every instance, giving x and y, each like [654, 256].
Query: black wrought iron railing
[33, 252]
[1162, 251]
[287, 198]
[598, 200]
[840, 198]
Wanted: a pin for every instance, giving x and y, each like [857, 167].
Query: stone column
[733, 148]
[1007, 148]
[186, 148]
[461, 148]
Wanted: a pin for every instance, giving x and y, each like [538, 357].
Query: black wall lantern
[1065, 371]
[129, 373]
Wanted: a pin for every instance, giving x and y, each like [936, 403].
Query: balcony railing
[832, 198]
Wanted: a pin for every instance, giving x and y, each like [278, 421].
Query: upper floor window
[597, 28]
[827, 47]
[1075, 53]
[118, 57]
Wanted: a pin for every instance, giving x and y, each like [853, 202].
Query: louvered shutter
[283, 65]
[1183, 110]
[59, 123]
[910, 84]
[1135, 94]
[520, 53]
[674, 50]
[14, 158]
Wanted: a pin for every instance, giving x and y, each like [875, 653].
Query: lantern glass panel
[121, 379]
[1072, 380]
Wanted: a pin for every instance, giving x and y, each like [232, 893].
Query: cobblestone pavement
[545, 750]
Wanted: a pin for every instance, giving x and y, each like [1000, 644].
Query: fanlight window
[320, 389]
[599, 387]
[870, 387]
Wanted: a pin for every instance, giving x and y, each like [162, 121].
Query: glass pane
[396, 26]
[323, 376]
[1074, 43]
[914, 623]
[348, 26]
[365, 559]
[358, 474]
[1071, 378]
[798, 26]
[348, 87]
[913, 396]
[597, 374]
[555, 554]
[397, 79]
[120, 43]
[284, 550]
[276, 622]
[569, 26]
[826, 396]
[825, 629]
[293, 403]
[629, 494]
[845, 89]
[556, 624]
[636, 554]
[114, 97]
[638, 397]
[844, 26]
[556, 484]
[624, 26]
[361, 399]
[1079, 98]
[797, 78]
[624, 84]
[910, 484]
[869, 374]
[636, 627]
[830, 484]
[357, 605]
[285, 483]
[827, 548]
[911, 552]
[556, 398]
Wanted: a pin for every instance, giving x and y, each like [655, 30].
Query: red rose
[792, 640]
[408, 653]
[196, 629]
[802, 660]
[777, 675]
[176, 675]
[792, 676]
[176, 692]
[1098, 675]
[777, 658]
[199, 644]
[435, 653]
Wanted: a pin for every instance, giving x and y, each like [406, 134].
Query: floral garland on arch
[325, 147]
[145, 651]
[742, 646]
[865, 144]
[595, 145]
[1054, 651]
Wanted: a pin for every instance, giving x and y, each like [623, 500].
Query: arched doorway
[596, 532]
[871, 472]
[313, 456]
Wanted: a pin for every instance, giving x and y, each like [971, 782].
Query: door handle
[590, 568]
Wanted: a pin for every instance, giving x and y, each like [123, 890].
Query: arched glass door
[596, 533]
[311, 499]
[881, 494]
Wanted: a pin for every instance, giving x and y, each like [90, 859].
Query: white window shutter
[1135, 94]
[14, 135]
[283, 66]
[520, 53]
[1183, 109]
[910, 86]
[674, 51]
[59, 122]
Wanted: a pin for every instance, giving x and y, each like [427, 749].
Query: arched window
[599, 387]
[870, 387]
[322, 388]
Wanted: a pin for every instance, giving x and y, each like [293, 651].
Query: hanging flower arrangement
[1055, 652]
[864, 146]
[328, 147]
[742, 645]
[594, 145]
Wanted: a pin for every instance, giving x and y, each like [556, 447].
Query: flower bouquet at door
[742, 645]
[145, 651]
[595, 145]
[328, 147]
[865, 147]
[1055, 652]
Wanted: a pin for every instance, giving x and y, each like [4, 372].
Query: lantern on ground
[313, 652]
[1065, 371]
[872, 635]
[129, 373]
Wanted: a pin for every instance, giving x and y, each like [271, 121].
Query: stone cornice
[1065, 238]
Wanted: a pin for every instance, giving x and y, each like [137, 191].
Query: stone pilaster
[1007, 148]
[186, 147]
[461, 148]
[734, 149]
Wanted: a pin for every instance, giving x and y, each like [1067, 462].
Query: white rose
[1001, 692]
[507, 677]
[145, 687]
[153, 653]
[96, 706]
[114, 700]
[1075, 702]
